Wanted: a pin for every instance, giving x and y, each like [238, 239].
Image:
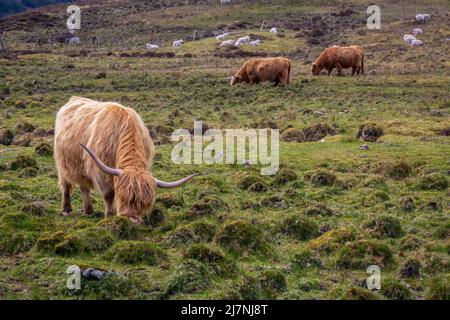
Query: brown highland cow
[256, 70]
[340, 58]
[87, 131]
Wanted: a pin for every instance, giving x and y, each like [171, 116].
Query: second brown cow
[340, 58]
[256, 70]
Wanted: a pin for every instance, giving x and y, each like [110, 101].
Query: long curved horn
[169, 185]
[101, 165]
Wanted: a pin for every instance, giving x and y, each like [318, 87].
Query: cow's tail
[362, 65]
[289, 74]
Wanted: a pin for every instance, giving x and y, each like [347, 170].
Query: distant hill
[9, 7]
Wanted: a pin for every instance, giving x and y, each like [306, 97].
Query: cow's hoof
[88, 212]
[66, 212]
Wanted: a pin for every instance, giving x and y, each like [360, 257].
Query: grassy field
[309, 232]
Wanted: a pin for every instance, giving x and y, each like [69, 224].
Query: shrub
[299, 227]
[136, 252]
[385, 227]
[212, 256]
[241, 236]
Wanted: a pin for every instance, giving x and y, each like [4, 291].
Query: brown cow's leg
[354, 70]
[109, 204]
[66, 206]
[87, 204]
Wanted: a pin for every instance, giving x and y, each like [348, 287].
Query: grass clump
[394, 289]
[293, 134]
[438, 288]
[284, 176]
[319, 209]
[411, 268]
[305, 258]
[120, 227]
[212, 256]
[362, 253]
[136, 252]
[241, 236]
[443, 230]
[433, 181]
[22, 162]
[43, 149]
[299, 227]
[246, 182]
[189, 277]
[358, 293]
[85, 241]
[155, 218]
[35, 208]
[170, 200]
[195, 232]
[323, 178]
[250, 288]
[15, 241]
[333, 239]
[273, 283]
[6, 137]
[48, 242]
[400, 170]
[407, 204]
[258, 187]
[385, 227]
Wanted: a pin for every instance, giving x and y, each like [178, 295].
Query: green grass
[225, 235]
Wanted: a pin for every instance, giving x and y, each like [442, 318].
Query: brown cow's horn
[169, 185]
[101, 165]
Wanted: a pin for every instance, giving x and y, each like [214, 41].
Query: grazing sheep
[408, 38]
[225, 1]
[227, 43]
[222, 36]
[417, 31]
[177, 43]
[151, 47]
[242, 40]
[422, 17]
[273, 30]
[255, 43]
[416, 43]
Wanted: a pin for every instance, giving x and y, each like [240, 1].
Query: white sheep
[225, 1]
[408, 38]
[273, 30]
[227, 43]
[242, 40]
[151, 47]
[222, 36]
[416, 43]
[177, 43]
[417, 31]
[255, 43]
[421, 17]
[74, 40]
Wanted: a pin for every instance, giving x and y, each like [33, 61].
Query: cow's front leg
[109, 204]
[87, 204]
[66, 205]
